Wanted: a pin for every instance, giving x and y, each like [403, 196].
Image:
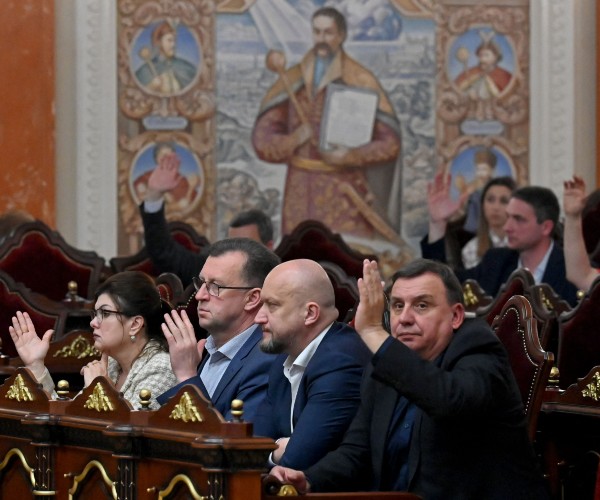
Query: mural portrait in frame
[481, 63]
[188, 192]
[165, 58]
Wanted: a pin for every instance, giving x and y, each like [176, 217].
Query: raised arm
[441, 205]
[31, 349]
[579, 270]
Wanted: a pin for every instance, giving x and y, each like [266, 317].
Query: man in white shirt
[531, 228]
[314, 385]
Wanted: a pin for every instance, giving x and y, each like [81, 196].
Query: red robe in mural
[484, 84]
[340, 195]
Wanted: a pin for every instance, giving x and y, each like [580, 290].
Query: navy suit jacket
[327, 399]
[245, 378]
[498, 263]
[469, 437]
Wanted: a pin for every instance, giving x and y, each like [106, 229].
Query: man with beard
[330, 186]
[228, 295]
[313, 397]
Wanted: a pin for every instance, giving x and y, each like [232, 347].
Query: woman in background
[490, 232]
[126, 320]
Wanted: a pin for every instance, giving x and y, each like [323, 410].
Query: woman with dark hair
[490, 232]
[126, 320]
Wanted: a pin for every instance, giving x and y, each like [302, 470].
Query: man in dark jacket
[441, 414]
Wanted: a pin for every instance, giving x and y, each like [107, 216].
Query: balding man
[314, 386]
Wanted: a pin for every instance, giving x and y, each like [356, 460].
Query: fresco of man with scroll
[325, 181]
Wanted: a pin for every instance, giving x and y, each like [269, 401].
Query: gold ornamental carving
[80, 477]
[186, 410]
[19, 390]
[180, 478]
[98, 400]
[80, 348]
[592, 390]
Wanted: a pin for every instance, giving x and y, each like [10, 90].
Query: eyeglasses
[214, 289]
[101, 314]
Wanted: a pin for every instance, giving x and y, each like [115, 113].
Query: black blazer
[166, 254]
[469, 439]
[498, 263]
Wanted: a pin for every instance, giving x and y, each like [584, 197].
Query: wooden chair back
[344, 287]
[45, 313]
[311, 239]
[516, 328]
[519, 280]
[475, 297]
[43, 261]
[578, 338]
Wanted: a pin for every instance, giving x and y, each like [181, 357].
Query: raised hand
[164, 177]
[369, 313]
[184, 350]
[440, 203]
[574, 196]
[31, 349]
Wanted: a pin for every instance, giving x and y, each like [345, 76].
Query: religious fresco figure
[327, 184]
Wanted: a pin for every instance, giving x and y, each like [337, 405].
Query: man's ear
[547, 227]
[458, 315]
[312, 313]
[252, 299]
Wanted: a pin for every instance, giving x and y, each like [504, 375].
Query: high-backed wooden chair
[45, 313]
[41, 259]
[519, 280]
[475, 297]
[182, 233]
[344, 287]
[516, 328]
[170, 288]
[547, 307]
[311, 239]
[578, 338]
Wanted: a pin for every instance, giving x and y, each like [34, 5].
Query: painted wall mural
[344, 117]
[166, 71]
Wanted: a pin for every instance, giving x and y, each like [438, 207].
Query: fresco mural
[273, 92]
[167, 107]
[342, 117]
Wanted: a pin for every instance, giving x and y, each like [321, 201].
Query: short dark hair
[257, 217]
[136, 294]
[543, 201]
[419, 267]
[336, 15]
[259, 259]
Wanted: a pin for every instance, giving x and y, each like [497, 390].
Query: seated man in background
[441, 414]
[530, 228]
[314, 386]
[228, 295]
[579, 270]
[168, 255]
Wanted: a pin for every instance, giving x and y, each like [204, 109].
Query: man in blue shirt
[228, 295]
